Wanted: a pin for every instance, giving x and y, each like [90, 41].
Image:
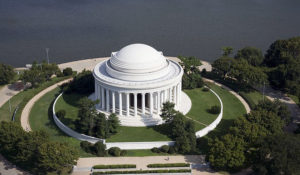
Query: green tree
[253, 55]
[67, 71]
[86, 115]
[168, 112]
[278, 154]
[54, 156]
[100, 149]
[113, 123]
[82, 83]
[222, 66]
[34, 77]
[227, 153]
[227, 50]
[7, 74]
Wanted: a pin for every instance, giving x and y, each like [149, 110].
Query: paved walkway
[26, 111]
[6, 93]
[84, 165]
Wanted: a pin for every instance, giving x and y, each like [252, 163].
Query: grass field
[201, 102]
[294, 98]
[22, 98]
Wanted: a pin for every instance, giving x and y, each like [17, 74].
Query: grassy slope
[40, 120]
[201, 102]
[22, 98]
[294, 98]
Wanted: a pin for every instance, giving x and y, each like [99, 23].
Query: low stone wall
[71, 132]
[132, 145]
[139, 145]
[214, 124]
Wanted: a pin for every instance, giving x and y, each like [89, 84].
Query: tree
[222, 66]
[86, 114]
[53, 156]
[227, 50]
[7, 74]
[34, 77]
[253, 55]
[113, 123]
[283, 51]
[278, 154]
[189, 63]
[100, 149]
[67, 71]
[82, 83]
[227, 153]
[168, 112]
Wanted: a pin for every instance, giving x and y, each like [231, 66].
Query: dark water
[78, 29]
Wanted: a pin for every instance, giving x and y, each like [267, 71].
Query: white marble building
[135, 82]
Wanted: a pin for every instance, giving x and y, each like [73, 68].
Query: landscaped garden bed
[144, 171]
[166, 165]
[114, 166]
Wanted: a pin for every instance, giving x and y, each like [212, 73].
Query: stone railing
[214, 124]
[69, 131]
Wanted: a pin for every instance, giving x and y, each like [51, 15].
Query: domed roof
[138, 58]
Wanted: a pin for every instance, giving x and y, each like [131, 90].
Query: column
[102, 98]
[143, 103]
[170, 95]
[120, 104]
[165, 95]
[135, 104]
[107, 100]
[98, 96]
[151, 102]
[113, 102]
[127, 104]
[158, 102]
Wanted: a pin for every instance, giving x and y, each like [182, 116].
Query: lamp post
[47, 55]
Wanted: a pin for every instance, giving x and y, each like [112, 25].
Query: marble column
[143, 103]
[158, 102]
[120, 104]
[107, 100]
[102, 98]
[127, 105]
[113, 102]
[151, 102]
[165, 95]
[135, 104]
[170, 95]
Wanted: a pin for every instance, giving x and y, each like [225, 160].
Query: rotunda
[135, 82]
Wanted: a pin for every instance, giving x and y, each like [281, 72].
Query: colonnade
[134, 103]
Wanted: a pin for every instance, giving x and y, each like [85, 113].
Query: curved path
[247, 107]
[26, 111]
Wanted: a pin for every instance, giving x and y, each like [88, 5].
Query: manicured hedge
[160, 165]
[114, 166]
[143, 171]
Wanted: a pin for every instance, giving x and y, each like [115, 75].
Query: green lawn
[144, 152]
[294, 98]
[22, 98]
[201, 102]
[252, 97]
[41, 119]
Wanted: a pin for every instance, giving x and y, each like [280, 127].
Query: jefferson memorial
[135, 82]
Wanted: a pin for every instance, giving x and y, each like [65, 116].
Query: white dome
[138, 58]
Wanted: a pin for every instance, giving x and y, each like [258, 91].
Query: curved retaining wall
[214, 124]
[71, 132]
[132, 145]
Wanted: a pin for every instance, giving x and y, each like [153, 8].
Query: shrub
[114, 151]
[61, 113]
[155, 150]
[164, 148]
[100, 149]
[123, 153]
[144, 171]
[114, 166]
[205, 89]
[67, 71]
[172, 150]
[162, 165]
[86, 146]
[215, 109]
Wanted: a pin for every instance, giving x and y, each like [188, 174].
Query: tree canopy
[7, 74]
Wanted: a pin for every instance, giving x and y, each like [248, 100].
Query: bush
[205, 89]
[60, 114]
[100, 149]
[144, 171]
[82, 83]
[155, 150]
[164, 148]
[172, 150]
[114, 166]
[215, 109]
[163, 165]
[123, 153]
[114, 151]
[86, 146]
[67, 71]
